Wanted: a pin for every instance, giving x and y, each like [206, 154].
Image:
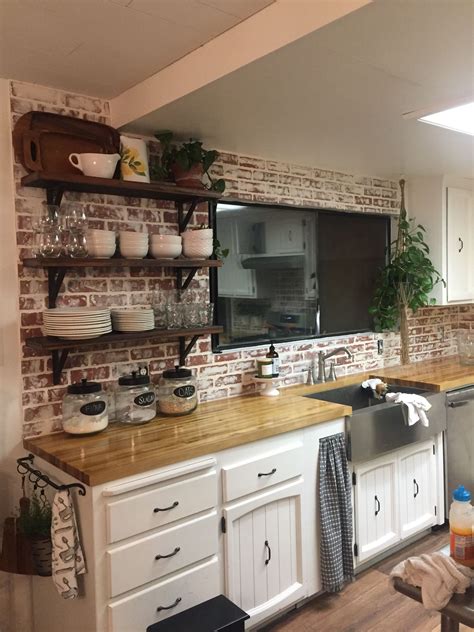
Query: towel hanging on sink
[416, 407]
[335, 514]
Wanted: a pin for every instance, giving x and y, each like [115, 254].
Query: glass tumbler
[174, 315]
[76, 246]
[75, 217]
[49, 242]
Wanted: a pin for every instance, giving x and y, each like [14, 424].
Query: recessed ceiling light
[458, 119]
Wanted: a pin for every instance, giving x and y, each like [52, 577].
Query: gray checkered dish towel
[335, 511]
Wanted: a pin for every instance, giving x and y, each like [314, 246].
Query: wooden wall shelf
[60, 348]
[88, 184]
[120, 262]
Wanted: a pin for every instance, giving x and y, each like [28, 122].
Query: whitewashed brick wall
[220, 375]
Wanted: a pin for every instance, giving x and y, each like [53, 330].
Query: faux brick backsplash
[220, 375]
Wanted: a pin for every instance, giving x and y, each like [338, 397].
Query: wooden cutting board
[43, 141]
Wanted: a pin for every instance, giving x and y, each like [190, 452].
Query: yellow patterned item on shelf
[134, 159]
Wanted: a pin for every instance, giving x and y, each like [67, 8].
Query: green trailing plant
[406, 281]
[186, 155]
[34, 520]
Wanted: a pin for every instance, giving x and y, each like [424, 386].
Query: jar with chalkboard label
[177, 394]
[135, 399]
[85, 408]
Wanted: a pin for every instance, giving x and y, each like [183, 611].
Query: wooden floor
[368, 605]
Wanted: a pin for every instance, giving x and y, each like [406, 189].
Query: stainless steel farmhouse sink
[376, 426]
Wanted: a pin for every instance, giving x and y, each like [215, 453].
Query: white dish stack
[166, 246]
[100, 243]
[133, 245]
[133, 319]
[76, 323]
[198, 244]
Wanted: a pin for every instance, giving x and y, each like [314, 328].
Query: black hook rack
[25, 466]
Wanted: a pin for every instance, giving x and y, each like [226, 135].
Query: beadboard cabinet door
[417, 479]
[376, 500]
[263, 547]
[460, 244]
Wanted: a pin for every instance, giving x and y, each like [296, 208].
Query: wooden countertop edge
[325, 412]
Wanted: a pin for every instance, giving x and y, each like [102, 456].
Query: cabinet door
[375, 494]
[460, 227]
[233, 279]
[263, 548]
[284, 237]
[417, 485]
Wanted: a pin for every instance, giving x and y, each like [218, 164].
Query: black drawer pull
[377, 511]
[267, 473]
[461, 244]
[173, 605]
[164, 557]
[269, 553]
[417, 488]
[157, 509]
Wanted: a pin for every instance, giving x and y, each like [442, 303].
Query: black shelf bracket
[54, 195]
[183, 285]
[59, 357]
[25, 467]
[55, 280]
[185, 350]
[183, 220]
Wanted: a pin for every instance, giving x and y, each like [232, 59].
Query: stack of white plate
[133, 319]
[76, 323]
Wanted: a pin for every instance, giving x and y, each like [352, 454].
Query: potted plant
[406, 281]
[34, 523]
[186, 163]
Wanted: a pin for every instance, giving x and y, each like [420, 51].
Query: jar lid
[461, 494]
[83, 387]
[176, 373]
[134, 379]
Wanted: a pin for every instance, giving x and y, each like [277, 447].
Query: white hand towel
[67, 556]
[417, 405]
[438, 576]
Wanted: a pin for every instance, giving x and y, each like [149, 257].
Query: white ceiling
[103, 47]
[335, 98]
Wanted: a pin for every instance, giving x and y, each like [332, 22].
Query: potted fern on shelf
[406, 281]
[186, 163]
[34, 523]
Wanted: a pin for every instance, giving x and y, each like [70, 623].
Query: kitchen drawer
[252, 476]
[135, 564]
[161, 505]
[165, 598]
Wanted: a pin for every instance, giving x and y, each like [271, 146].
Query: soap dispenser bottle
[275, 358]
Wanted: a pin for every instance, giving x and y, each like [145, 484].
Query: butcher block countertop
[439, 374]
[122, 451]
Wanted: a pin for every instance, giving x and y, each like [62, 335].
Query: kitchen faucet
[322, 365]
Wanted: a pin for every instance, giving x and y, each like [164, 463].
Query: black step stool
[218, 614]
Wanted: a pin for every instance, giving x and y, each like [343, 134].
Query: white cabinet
[375, 500]
[284, 236]
[263, 551]
[396, 496]
[417, 489]
[233, 279]
[460, 255]
[445, 207]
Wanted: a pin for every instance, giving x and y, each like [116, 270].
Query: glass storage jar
[85, 408]
[135, 401]
[177, 394]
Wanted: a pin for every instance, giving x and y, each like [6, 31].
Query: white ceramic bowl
[101, 252]
[198, 250]
[165, 250]
[100, 240]
[133, 252]
[204, 233]
[99, 232]
[171, 239]
[129, 236]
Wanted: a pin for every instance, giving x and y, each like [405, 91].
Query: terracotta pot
[192, 178]
[41, 549]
